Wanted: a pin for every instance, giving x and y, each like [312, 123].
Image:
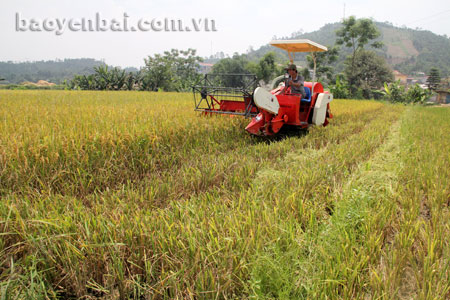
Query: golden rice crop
[134, 195]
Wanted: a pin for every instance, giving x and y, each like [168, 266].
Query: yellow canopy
[298, 46]
[292, 46]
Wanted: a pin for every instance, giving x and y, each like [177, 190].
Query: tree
[305, 74]
[186, 69]
[158, 72]
[370, 72]
[102, 77]
[267, 67]
[237, 64]
[131, 80]
[83, 82]
[356, 34]
[323, 63]
[264, 69]
[173, 71]
[434, 78]
[117, 79]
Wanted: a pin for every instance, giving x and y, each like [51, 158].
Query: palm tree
[130, 81]
[118, 78]
[102, 77]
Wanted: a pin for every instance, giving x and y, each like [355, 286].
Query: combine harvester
[239, 94]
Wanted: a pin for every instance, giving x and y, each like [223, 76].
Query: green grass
[134, 195]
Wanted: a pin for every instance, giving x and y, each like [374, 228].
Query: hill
[51, 71]
[407, 50]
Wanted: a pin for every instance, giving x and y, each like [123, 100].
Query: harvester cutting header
[239, 94]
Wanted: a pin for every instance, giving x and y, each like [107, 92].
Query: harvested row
[387, 237]
[416, 258]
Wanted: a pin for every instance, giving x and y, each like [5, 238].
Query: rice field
[133, 195]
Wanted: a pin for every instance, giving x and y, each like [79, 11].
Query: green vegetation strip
[387, 235]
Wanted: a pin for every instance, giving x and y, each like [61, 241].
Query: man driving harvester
[303, 104]
[295, 81]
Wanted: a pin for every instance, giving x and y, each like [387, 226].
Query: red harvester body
[239, 94]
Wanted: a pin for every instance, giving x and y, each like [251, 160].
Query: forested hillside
[52, 71]
[407, 50]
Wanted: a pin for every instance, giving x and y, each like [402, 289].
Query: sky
[233, 25]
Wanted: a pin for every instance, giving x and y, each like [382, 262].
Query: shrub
[396, 92]
[416, 94]
[340, 90]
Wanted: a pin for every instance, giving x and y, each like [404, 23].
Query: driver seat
[308, 95]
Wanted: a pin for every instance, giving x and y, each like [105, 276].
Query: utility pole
[344, 12]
